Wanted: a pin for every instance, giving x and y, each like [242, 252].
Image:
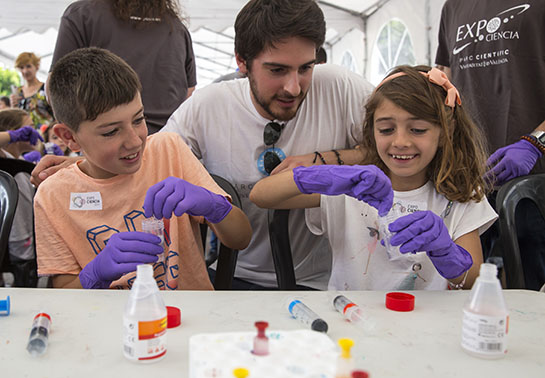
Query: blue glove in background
[33, 156]
[174, 195]
[25, 134]
[512, 161]
[366, 183]
[123, 252]
[426, 231]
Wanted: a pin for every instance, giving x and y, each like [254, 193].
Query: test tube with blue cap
[304, 314]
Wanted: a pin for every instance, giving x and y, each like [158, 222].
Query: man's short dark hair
[262, 23]
[88, 82]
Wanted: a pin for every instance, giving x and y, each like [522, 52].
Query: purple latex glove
[174, 195]
[33, 156]
[25, 134]
[512, 161]
[53, 149]
[364, 182]
[123, 252]
[426, 231]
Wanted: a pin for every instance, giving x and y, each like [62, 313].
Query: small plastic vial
[39, 335]
[353, 313]
[49, 148]
[485, 320]
[145, 319]
[345, 363]
[261, 341]
[392, 251]
[156, 227]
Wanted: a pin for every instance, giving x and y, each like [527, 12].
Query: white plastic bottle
[145, 319]
[486, 320]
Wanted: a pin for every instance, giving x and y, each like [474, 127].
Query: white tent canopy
[354, 26]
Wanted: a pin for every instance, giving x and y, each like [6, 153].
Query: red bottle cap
[261, 326]
[360, 374]
[400, 301]
[174, 317]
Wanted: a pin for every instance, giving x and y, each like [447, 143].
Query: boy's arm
[280, 192]
[234, 230]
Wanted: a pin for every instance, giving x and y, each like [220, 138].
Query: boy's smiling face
[113, 144]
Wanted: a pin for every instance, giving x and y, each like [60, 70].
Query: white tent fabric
[353, 30]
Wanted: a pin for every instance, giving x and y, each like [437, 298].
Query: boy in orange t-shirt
[88, 215]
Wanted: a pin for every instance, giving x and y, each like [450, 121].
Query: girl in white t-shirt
[417, 132]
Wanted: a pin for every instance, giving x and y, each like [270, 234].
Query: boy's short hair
[88, 82]
[5, 100]
[262, 23]
[25, 58]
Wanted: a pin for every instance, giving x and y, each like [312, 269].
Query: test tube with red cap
[352, 312]
[261, 341]
[39, 334]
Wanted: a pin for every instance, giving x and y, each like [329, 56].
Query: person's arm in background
[49, 165]
[22, 134]
[189, 92]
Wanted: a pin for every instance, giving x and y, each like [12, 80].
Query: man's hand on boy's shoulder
[49, 165]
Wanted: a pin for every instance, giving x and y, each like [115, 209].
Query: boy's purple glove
[123, 252]
[425, 231]
[512, 161]
[174, 195]
[25, 134]
[364, 182]
[32, 156]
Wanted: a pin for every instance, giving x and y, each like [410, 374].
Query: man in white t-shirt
[228, 125]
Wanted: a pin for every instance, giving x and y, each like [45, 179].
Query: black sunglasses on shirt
[271, 134]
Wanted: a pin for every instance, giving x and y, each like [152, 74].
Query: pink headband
[437, 77]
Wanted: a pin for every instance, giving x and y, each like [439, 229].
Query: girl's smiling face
[405, 144]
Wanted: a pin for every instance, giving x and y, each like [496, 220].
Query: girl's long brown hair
[460, 161]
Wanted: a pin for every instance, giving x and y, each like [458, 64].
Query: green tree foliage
[7, 79]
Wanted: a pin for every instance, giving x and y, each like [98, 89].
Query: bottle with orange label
[145, 319]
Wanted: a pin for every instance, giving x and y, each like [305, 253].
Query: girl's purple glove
[364, 182]
[174, 195]
[53, 149]
[32, 156]
[512, 161]
[425, 231]
[25, 134]
[123, 252]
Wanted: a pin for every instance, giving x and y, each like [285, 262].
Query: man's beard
[266, 105]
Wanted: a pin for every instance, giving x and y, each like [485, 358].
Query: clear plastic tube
[156, 227]
[39, 335]
[353, 313]
[392, 251]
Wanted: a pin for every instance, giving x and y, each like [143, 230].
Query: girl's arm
[279, 191]
[472, 244]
